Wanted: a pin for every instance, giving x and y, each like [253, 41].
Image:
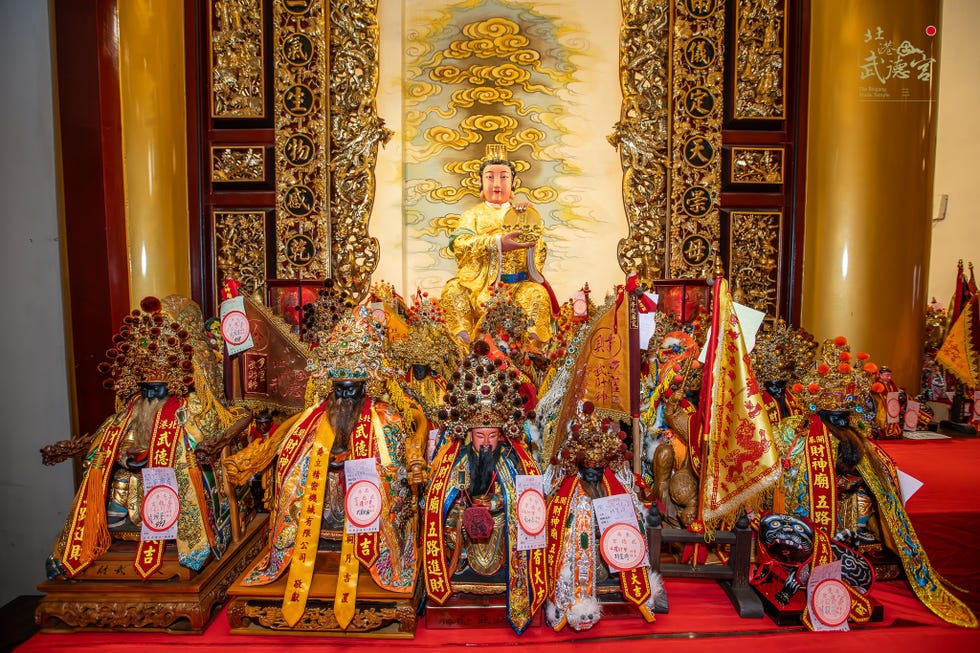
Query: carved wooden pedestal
[109, 596]
[378, 612]
[467, 610]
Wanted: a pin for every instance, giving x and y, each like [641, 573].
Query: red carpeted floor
[944, 511]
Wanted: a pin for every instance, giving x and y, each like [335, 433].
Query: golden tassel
[95, 537]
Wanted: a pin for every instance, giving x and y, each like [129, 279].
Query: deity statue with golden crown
[152, 505]
[426, 356]
[837, 477]
[593, 463]
[498, 241]
[344, 519]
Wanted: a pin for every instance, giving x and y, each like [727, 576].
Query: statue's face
[485, 436]
[153, 389]
[348, 390]
[420, 371]
[497, 183]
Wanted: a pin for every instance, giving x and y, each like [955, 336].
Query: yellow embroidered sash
[308, 526]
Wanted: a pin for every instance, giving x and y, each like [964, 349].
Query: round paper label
[235, 328]
[894, 407]
[831, 602]
[363, 503]
[160, 508]
[622, 546]
[531, 511]
[911, 419]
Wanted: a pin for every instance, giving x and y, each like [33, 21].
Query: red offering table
[701, 618]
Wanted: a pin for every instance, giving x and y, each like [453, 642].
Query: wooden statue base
[108, 595]
[791, 614]
[378, 612]
[466, 610]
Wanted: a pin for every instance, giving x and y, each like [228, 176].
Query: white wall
[34, 398]
[957, 143]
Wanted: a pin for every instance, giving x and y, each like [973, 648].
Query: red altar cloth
[945, 511]
[701, 619]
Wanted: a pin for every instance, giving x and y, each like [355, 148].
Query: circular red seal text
[622, 546]
[160, 509]
[894, 407]
[831, 602]
[235, 328]
[362, 503]
[531, 511]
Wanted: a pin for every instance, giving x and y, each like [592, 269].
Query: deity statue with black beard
[358, 420]
[470, 529]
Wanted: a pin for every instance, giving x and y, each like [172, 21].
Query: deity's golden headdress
[429, 341]
[483, 392]
[781, 352]
[354, 351]
[495, 152]
[838, 380]
[150, 347]
[593, 441]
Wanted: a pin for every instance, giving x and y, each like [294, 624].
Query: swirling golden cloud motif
[490, 124]
[502, 71]
[497, 38]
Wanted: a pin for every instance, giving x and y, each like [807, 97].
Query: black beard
[344, 413]
[482, 463]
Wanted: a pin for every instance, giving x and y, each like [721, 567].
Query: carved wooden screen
[711, 140]
[285, 141]
[763, 149]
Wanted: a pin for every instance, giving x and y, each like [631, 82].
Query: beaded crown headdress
[838, 380]
[320, 315]
[781, 352]
[149, 347]
[354, 351]
[483, 392]
[593, 441]
[503, 317]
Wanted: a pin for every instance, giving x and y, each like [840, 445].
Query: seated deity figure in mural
[356, 411]
[164, 376]
[470, 519]
[498, 240]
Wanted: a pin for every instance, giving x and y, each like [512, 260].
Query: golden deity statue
[498, 240]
